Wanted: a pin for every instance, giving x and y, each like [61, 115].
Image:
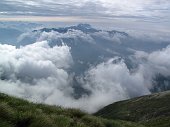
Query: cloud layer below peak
[60, 65]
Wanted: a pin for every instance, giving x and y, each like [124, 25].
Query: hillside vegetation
[147, 111]
[16, 112]
[151, 111]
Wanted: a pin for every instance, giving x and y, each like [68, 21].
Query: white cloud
[35, 71]
[56, 36]
[161, 58]
[73, 34]
[151, 36]
[151, 64]
[115, 37]
[112, 81]
[38, 73]
[159, 61]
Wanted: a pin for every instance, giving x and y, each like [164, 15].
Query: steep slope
[151, 111]
[19, 113]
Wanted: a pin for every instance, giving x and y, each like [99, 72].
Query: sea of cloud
[40, 73]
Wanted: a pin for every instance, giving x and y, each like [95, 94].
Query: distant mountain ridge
[86, 28]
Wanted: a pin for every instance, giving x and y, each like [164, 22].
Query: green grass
[16, 112]
[151, 111]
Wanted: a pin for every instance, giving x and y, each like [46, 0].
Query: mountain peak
[87, 26]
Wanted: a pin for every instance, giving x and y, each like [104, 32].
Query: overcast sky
[126, 12]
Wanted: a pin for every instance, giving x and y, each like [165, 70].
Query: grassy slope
[151, 111]
[19, 113]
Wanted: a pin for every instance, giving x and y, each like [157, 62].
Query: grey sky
[155, 12]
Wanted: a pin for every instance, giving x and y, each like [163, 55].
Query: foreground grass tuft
[16, 112]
